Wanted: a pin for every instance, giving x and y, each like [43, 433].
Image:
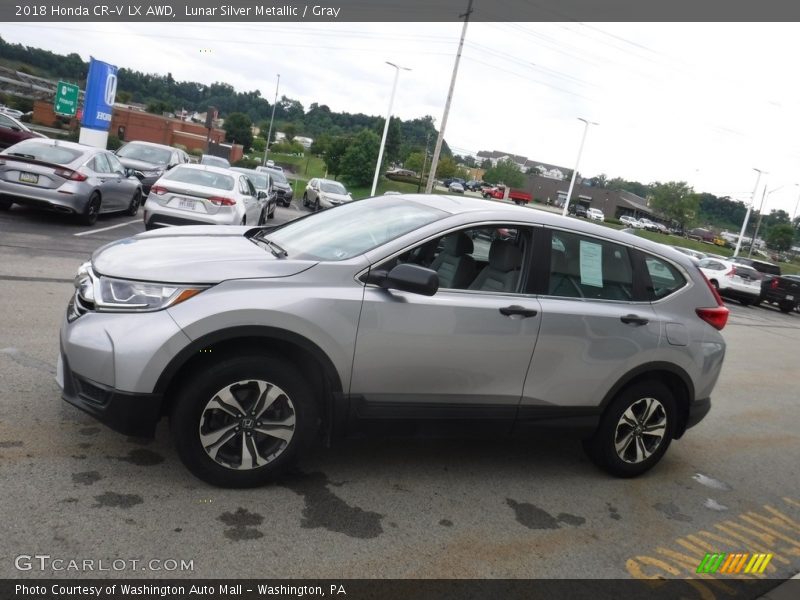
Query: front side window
[487, 258]
[587, 267]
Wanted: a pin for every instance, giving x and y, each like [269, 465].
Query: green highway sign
[66, 102]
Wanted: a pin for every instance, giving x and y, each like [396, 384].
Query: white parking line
[91, 231]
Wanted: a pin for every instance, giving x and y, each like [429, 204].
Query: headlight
[113, 295]
[107, 294]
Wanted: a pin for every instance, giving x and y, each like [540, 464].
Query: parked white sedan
[203, 195]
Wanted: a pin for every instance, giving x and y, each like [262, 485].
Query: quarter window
[586, 267]
[664, 278]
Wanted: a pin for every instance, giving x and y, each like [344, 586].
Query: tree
[238, 129]
[600, 181]
[446, 167]
[259, 144]
[290, 130]
[320, 144]
[393, 138]
[505, 171]
[675, 200]
[780, 236]
[486, 164]
[263, 131]
[358, 162]
[333, 157]
[414, 161]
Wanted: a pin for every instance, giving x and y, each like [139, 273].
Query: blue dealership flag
[101, 89]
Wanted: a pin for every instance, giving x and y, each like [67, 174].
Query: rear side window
[586, 267]
[665, 279]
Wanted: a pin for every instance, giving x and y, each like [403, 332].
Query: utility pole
[271, 119]
[758, 223]
[438, 148]
[749, 209]
[424, 162]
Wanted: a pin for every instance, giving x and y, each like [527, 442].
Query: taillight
[70, 174]
[774, 283]
[158, 190]
[221, 201]
[716, 316]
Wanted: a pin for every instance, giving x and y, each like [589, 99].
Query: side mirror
[262, 195]
[171, 165]
[412, 278]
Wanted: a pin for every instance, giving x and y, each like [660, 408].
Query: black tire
[305, 200]
[271, 215]
[601, 446]
[191, 413]
[316, 206]
[261, 218]
[89, 217]
[133, 207]
[745, 301]
[757, 302]
[786, 306]
[5, 204]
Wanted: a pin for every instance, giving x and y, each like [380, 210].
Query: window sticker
[591, 264]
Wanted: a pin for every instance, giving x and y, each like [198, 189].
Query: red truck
[516, 196]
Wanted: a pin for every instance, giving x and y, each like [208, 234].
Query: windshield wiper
[275, 249]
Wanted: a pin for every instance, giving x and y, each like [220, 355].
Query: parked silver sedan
[67, 177]
[203, 195]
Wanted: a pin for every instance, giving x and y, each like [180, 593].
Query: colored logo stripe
[734, 563]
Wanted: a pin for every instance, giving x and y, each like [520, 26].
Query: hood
[142, 165]
[192, 254]
[336, 197]
[281, 185]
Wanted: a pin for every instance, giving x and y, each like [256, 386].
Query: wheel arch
[248, 340]
[672, 376]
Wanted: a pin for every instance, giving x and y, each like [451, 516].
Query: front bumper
[127, 413]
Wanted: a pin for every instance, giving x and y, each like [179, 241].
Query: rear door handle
[515, 309]
[634, 320]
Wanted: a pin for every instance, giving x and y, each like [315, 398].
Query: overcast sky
[703, 103]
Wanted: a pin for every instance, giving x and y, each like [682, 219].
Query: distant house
[524, 164]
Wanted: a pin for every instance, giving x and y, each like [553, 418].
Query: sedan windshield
[46, 152]
[149, 154]
[218, 181]
[351, 229]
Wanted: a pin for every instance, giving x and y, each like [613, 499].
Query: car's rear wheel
[241, 422]
[635, 431]
[136, 201]
[5, 204]
[305, 200]
[89, 217]
[316, 206]
[262, 217]
[786, 307]
[271, 214]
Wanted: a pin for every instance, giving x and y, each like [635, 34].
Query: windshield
[278, 176]
[214, 161]
[150, 154]
[351, 229]
[332, 187]
[218, 181]
[46, 152]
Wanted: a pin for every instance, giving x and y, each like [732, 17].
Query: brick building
[129, 124]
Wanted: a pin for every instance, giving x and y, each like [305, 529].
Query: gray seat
[502, 272]
[455, 267]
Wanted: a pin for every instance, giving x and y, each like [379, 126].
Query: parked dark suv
[782, 291]
[579, 210]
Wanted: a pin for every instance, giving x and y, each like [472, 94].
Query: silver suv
[411, 309]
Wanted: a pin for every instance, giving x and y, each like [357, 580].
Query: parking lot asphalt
[524, 508]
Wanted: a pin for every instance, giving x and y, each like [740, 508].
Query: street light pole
[386, 125]
[271, 119]
[766, 195]
[749, 209]
[577, 163]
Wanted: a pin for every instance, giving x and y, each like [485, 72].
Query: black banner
[398, 10]
[390, 589]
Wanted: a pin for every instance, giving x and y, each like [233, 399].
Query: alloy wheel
[640, 430]
[247, 425]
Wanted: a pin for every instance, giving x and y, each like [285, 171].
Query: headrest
[504, 256]
[458, 244]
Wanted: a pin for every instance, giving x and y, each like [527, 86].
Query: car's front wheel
[305, 200]
[635, 431]
[136, 201]
[241, 422]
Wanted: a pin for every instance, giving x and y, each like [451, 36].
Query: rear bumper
[43, 199]
[125, 412]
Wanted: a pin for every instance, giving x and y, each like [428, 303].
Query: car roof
[211, 168]
[64, 144]
[153, 144]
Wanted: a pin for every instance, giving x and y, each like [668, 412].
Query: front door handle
[634, 320]
[515, 309]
